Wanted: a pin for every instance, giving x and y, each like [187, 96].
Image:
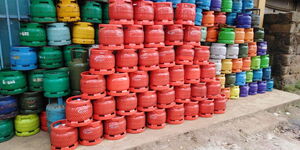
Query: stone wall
[283, 36]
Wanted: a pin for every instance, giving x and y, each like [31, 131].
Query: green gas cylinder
[35, 79]
[243, 50]
[12, 82]
[249, 76]
[255, 62]
[105, 13]
[67, 53]
[50, 57]
[56, 83]
[264, 61]
[91, 11]
[42, 11]
[6, 130]
[226, 6]
[230, 80]
[226, 36]
[259, 34]
[32, 34]
[27, 125]
[31, 102]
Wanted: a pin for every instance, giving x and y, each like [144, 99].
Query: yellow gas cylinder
[83, 33]
[226, 66]
[68, 11]
[222, 79]
[235, 92]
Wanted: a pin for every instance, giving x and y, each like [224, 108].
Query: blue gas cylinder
[203, 4]
[267, 73]
[174, 2]
[237, 6]
[8, 107]
[55, 111]
[58, 34]
[257, 75]
[247, 4]
[189, 1]
[215, 5]
[23, 58]
[243, 20]
[230, 19]
[270, 85]
[199, 16]
[240, 78]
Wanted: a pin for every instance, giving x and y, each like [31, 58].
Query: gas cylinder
[42, 11]
[147, 101]
[7, 130]
[220, 104]
[139, 81]
[102, 62]
[239, 35]
[183, 93]
[184, 55]
[262, 87]
[175, 114]
[115, 128]
[203, 33]
[244, 90]
[133, 36]
[121, 12]
[92, 86]
[232, 51]
[50, 57]
[262, 48]
[226, 35]
[249, 35]
[208, 72]
[68, 11]
[265, 61]
[267, 73]
[189, 1]
[226, 92]
[166, 56]
[55, 110]
[218, 64]
[192, 35]
[56, 83]
[206, 108]
[31, 102]
[237, 6]
[166, 98]
[257, 75]
[246, 64]
[215, 5]
[240, 79]
[164, 13]
[201, 55]
[259, 35]
[243, 50]
[126, 60]
[255, 18]
[43, 121]
[83, 33]
[105, 13]
[63, 136]
[237, 65]
[104, 108]
[174, 34]
[91, 134]
[126, 105]
[220, 18]
[255, 62]
[212, 34]
[203, 4]
[156, 119]
[199, 16]
[35, 79]
[234, 92]
[148, 59]
[12, 82]
[117, 84]
[32, 34]
[226, 6]
[8, 107]
[222, 79]
[218, 51]
[226, 66]
[58, 34]
[136, 123]
[67, 53]
[208, 19]
[111, 36]
[249, 76]
[191, 74]
[270, 85]
[27, 125]
[176, 75]
[159, 79]
[253, 87]
[230, 80]
[143, 12]
[248, 4]
[252, 49]
[185, 14]
[231, 18]
[191, 110]
[23, 58]
[213, 89]
[154, 36]
[243, 20]
[91, 11]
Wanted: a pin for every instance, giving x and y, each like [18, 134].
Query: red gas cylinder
[154, 36]
[191, 110]
[206, 108]
[136, 123]
[115, 128]
[126, 105]
[159, 79]
[208, 72]
[147, 101]
[252, 49]
[226, 92]
[139, 81]
[91, 134]
[174, 34]
[183, 93]
[246, 63]
[175, 114]
[43, 121]
[92, 86]
[118, 84]
[192, 35]
[126, 60]
[208, 19]
[212, 34]
[184, 55]
[201, 55]
[220, 18]
[166, 56]
[102, 62]
[78, 111]
[176, 75]
[198, 91]
[143, 12]
[156, 119]
[148, 59]
[111, 37]
[237, 65]
[191, 74]
[213, 89]
[120, 12]
[185, 14]
[164, 13]
[134, 36]
[63, 137]
[166, 98]
[220, 104]
[104, 108]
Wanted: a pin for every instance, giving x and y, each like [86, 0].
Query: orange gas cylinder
[166, 98]
[147, 101]
[176, 75]
[111, 37]
[126, 105]
[191, 74]
[208, 19]
[198, 91]
[117, 84]
[222, 79]
[43, 121]
[246, 63]
[126, 60]
[191, 110]
[226, 92]
[156, 119]
[208, 72]
[249, 35]
[159, 79]
[164, 13]
[63, 137]
[212, 34]
[252, 49]
[237, 65]
[183, 93]
[220, 18]
[104, 108]
[136, 123]
[239, 35]
[115, 128]
[134, 36]
[185, 14]
[91, 134]
[102, 62]
[174, 34]
[92, 86]
[175, 114]
[206, 108]
[154, 36]
[201, 55]
[143, 12]
[139, 81]
[148, 59]
[184, 55]
[192, 35]
[213, 89]
[120, 12]
[78, 111]
[220, 104]
[166, 56]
